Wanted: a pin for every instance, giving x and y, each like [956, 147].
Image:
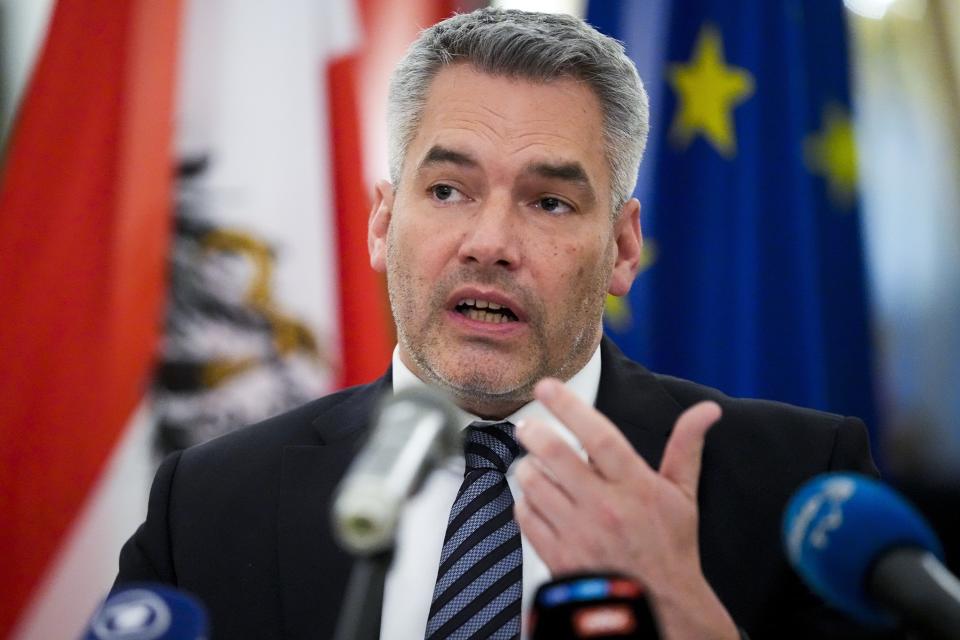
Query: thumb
[682, 456]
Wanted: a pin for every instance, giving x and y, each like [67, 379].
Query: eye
[446, 193]
[553, 205]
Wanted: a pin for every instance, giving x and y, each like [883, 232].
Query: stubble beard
[473, 389]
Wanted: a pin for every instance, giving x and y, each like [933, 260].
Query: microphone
[866, 551]
[148, 612]
[414, 431]
[596, 606]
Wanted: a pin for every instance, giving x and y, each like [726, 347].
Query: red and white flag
[84, 220]
[226, 255]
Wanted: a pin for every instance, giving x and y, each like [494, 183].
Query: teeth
[485, 311]
[484, 316]
[480, 304]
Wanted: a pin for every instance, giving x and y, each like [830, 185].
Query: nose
[492, 237]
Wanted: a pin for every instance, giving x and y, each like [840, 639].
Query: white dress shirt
[410, 581]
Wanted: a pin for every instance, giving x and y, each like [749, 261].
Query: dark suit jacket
[242, 521]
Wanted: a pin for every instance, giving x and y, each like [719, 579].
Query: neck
[491, 410]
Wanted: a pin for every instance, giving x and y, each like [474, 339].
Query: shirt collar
[584, 384]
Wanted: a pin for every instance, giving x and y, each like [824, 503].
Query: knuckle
[542, 488]
[532, 487]
[605, 441]
[532, 481]
[555, 448]
[610, 517]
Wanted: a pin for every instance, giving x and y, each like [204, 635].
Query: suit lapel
[636, 402]
[313, 569]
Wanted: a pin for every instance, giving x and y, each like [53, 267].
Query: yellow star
[707, 92]
[616, 310]
[832, 153]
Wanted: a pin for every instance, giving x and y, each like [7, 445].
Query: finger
[684, 451]
[555, 456]
[539, 533]
[541, 492]
[534, 526]
[607, 448]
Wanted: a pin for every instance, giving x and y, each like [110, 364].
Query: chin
[491, 406]
[485, 392]
[484, 384]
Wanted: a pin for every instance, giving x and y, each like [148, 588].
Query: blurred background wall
[906, 89]
[259, 265]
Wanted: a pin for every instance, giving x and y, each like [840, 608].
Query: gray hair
[534, 46]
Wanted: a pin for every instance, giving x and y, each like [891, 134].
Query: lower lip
[477, 327]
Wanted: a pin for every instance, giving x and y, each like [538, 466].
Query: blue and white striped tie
[479, 583]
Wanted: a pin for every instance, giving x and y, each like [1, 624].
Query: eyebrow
[440, 155]
[572, 172]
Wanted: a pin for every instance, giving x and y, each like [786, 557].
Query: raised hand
[614, 512]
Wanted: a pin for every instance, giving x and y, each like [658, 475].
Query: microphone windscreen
[413, 431]
[148, 612]
[837, 525]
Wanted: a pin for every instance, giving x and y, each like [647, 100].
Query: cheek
[583, 261]
[569, 272]
[420, 250]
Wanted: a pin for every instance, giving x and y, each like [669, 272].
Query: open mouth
[485, 311]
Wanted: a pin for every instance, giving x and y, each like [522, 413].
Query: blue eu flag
[753, 277]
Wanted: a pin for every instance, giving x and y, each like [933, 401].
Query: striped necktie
[478, 588]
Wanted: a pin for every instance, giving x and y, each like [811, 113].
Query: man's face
[498, 243]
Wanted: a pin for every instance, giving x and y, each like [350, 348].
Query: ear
[379, 224]
[629, 241]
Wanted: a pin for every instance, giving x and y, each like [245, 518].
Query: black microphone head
[148, 612]
[591, 605]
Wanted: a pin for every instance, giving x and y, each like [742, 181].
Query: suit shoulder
[778, 430]
[301, 426]
[750, 410]
[757, 428]
[775, 439]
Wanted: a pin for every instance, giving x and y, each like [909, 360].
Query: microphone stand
[363, 603]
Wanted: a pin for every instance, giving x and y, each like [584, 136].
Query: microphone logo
[604, 620]
[137, 614]
[821, 513]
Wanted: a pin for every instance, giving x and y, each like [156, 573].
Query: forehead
[508, 123]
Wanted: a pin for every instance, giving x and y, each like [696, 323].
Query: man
[515, 142]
